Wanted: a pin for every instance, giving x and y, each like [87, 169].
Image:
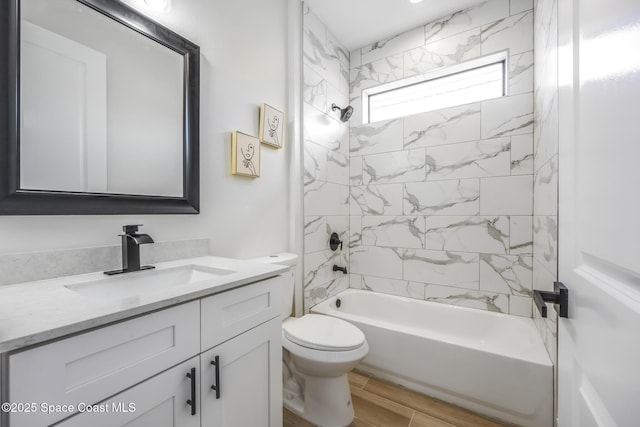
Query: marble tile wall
[441, 203]
[27, 267]
[326, 160]
[545, 187]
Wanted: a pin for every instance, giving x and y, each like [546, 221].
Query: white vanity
[201, 348]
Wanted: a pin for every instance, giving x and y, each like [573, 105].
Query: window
[471, 81]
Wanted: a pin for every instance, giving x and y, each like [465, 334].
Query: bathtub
[491, 363]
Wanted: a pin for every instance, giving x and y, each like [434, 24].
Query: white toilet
[318, 351]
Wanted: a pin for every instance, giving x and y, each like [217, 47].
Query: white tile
[392, 45]
[522, 154]
[514, 33]
[451, 197]
[395, 232]
[355, 170]
[546, 128]
[521, 73]
[394, 167]
[339, 71]
[315, 163]
[374, 74]
[490, 157]
[465, 298]
[472, 17]
[521, 235]
[375, 138]
[510, 195]
[545, 190]
[322, 198]
[318, 267]
[518, 6]
[315, 234]
[355, 232]
[318, 292]
[345, 196]
[312, 23]
[355, 58]
[448, 51]
[375, 261]
[314, 89]
[468, 233]
[337, 97]
[446, 126]
[506, 274]
[545, 243]
[383, 199]
[542, 278]
[356, 116]
[520, 306]
[393, 287]
[355, 281]
[337, 168]
[511, 115]
[324, 131]
[458, 269]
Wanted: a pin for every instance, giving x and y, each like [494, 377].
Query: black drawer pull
[192, 402]
[216, 362]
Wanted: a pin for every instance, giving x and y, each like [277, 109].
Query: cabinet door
[160, 401]
[250, 380]
[94, 365]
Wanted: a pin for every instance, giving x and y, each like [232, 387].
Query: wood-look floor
[380, 404]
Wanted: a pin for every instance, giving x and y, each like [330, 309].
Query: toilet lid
[321, 332]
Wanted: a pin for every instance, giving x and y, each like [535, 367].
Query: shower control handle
[334, 241]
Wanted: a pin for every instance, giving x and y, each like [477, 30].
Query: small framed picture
[271, 126]
[245, 155]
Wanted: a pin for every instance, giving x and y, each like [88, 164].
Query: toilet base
[321, 393]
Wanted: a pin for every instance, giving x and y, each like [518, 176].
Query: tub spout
[343, 269]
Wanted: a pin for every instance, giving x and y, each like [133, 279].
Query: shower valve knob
[334, 241]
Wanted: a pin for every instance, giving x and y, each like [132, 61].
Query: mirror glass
[101, 105]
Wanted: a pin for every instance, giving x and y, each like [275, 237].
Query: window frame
[438, 73]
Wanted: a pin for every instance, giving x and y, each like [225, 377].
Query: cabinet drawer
[160, 401]
[231, 313]
[92, 366]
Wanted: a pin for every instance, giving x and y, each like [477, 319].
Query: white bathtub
[491, 363]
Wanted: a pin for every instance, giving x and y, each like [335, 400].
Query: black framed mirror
[96, 121]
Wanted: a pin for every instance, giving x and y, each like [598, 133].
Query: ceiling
[357, 23]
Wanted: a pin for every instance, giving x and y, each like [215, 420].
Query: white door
[63, 94]
[249, 380]
[599, 208]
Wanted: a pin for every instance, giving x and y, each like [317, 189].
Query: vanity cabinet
[134, 372]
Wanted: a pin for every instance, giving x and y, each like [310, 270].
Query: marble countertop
[35, 312]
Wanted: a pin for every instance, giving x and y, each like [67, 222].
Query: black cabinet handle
[216, 387]
[192, 402]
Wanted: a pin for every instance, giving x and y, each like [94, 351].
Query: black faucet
[343, 269]
[131, 242]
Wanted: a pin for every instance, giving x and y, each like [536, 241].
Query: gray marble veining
[451, 197]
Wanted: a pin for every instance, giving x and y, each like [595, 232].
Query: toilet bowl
[318, 352]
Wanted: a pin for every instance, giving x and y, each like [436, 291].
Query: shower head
[345, 113]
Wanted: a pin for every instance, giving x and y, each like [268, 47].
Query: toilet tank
[291, 260]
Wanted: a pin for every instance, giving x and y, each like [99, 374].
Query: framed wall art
[245, 155]
[271, 126]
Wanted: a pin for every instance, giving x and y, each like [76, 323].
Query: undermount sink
[147, 281]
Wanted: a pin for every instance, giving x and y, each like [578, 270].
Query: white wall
[243, 64]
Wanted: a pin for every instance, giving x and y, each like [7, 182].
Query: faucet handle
[131, 228]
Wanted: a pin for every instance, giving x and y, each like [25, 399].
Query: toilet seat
[326, 333]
